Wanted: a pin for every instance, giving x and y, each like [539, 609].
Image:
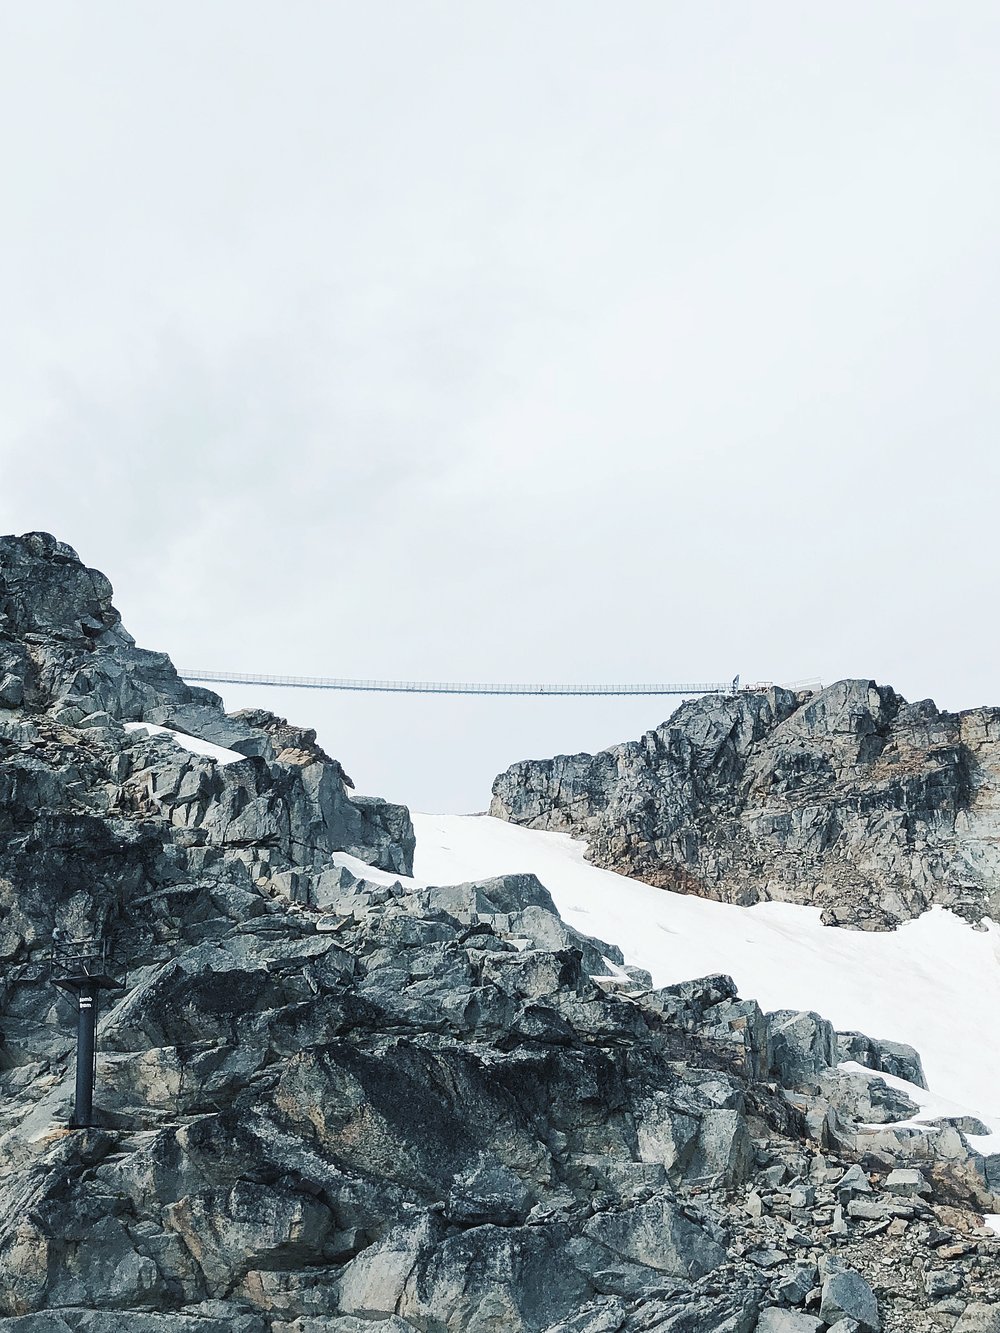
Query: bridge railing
[453, 687]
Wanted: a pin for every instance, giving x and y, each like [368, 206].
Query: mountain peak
[846, 798]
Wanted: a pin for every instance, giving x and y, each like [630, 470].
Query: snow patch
[361, 870]
[191, 743]
[933, 983]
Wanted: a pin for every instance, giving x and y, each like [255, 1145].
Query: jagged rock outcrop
[65, 658]
[849, 799]
[333, 1100]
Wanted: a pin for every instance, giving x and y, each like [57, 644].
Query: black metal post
[84, 968]
[86, 1057]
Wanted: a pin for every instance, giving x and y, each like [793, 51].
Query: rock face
[849, 799]
[65, 656]
[332, 1100]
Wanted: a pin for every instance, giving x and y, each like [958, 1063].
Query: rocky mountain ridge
[333, 1100]
[847, 798]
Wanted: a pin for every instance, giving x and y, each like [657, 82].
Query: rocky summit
[847, 798]
[331, 1099]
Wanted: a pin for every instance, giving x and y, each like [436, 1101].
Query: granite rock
[331, 1100]
[848, 798]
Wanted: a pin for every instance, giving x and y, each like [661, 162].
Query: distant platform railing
[450, 686]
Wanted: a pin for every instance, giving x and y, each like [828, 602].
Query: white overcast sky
[539, 339]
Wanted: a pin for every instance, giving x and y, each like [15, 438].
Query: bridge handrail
[451, 687]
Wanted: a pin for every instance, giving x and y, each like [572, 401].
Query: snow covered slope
[934, 983]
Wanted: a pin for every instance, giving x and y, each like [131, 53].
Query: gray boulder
[886, 1057]
[776, 1320]
[852, 1184]
[659, 1235]
[907, 1181]
[485, 1278]
[978, 1317]
[803, 1046]
[847, 1295]
[723, 1152]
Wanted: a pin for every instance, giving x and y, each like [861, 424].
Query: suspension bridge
[451, 686]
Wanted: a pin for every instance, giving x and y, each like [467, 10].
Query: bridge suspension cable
[448, 686]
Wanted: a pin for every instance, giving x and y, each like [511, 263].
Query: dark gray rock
[776, 1320]
[803, 1046]
[70, 658]
[848, 1296]
[848, 798]
[852, 1183]
[886, 1057]
[939, 1283]
[795, 1283]
[660, 1236]
[213, 1318]
[329, 1100]
[979, 1317]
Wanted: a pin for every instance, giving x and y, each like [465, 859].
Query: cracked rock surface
[332, 1102]
[848, 798]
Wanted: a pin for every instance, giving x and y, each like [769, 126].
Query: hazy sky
[539, 339]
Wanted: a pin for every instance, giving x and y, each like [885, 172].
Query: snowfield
[934, 982]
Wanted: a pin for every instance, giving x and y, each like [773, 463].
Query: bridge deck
[451, 687]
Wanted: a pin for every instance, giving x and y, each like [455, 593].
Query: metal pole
[86, 1057]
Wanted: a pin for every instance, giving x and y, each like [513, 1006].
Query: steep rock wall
[849, 799]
